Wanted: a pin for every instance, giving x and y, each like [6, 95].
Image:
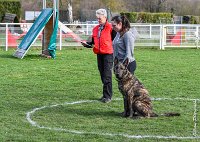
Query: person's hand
[85, 44]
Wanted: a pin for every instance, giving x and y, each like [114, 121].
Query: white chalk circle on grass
[34, 123]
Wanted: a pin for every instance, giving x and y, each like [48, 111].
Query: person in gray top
[123, 45]
[124, 41]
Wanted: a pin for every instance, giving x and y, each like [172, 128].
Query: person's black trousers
[105, 64]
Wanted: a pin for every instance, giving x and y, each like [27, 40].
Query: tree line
[85, 10]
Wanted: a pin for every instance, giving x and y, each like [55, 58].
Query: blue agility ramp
[34, 32]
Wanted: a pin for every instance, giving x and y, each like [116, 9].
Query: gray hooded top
[124, 46]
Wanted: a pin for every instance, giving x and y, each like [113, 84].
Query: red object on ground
[12, 39]
[176, 40]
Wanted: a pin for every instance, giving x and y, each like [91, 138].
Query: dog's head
[120, 68]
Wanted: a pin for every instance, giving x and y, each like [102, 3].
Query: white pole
[55, 6]
[60, 38]
[87, 28]
[197, 37]
[43, 36]
[150, 31]
[164, 36]
[6, 37]
[44, 4]
[161, 30]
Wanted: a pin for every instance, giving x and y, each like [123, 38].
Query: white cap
[101, 12]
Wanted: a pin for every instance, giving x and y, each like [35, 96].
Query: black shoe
[106, 100]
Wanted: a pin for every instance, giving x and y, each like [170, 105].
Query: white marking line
[33, 123]
[195, 118]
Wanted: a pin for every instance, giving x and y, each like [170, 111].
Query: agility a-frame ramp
[44, 21]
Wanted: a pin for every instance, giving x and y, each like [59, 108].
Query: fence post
[87, 29]
[150, 31]
[161, 31]
[197, 37]
[162, 37]
[6, 36]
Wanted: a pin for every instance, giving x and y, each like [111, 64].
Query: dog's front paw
[125, 114]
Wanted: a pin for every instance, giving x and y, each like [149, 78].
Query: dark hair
[125, 22]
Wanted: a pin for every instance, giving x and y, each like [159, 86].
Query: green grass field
[44, 90]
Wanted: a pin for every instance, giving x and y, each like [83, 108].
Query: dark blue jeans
[105, 64]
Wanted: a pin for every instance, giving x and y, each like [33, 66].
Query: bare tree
[113, 5]
[69, 11]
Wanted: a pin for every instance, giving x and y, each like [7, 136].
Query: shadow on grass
[7, 56]
[27, 57]
[93, 112]
[103, 112]
[34, 56]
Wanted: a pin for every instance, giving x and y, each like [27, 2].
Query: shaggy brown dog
[137, 101]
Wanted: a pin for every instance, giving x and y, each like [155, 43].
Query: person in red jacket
[102, 36]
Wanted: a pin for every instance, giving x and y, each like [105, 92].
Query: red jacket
[103, 45]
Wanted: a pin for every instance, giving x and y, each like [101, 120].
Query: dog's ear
[126, 62]
[116, 61]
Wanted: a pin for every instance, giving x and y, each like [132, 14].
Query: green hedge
[10, 6]
[146, 17]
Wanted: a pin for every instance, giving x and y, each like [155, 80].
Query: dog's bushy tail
[170, 114]
[153, 114]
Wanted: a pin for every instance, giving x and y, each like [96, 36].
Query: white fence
[150, 35]
[180, 36]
